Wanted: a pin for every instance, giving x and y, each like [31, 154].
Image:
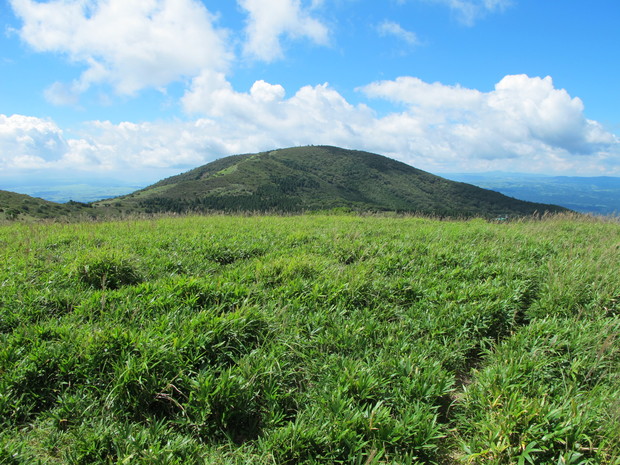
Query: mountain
[317, 178]
[15, 206]
[598, 195]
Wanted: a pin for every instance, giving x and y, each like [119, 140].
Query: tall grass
[310, 339]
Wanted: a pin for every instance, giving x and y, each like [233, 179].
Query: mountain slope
[319, 178]
[15, 206]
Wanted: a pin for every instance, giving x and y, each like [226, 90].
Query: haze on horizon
[137, 91]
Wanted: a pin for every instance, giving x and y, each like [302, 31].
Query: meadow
[310, 339]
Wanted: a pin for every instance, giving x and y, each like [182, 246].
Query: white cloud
[390, 28]
[269, 20]
[28, 142]
[469, 11]
[547, 114]
[315, 114]
[62, 94]
[417, 93]
[130, 45]
[521, 117]
[524, 124]
[493, 5]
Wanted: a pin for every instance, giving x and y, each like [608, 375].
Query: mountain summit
[320, 178]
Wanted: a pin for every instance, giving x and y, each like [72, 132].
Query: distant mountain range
[317, 178]
[598, 195]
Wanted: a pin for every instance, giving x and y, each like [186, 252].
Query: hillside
[15, 206]
[318, 178]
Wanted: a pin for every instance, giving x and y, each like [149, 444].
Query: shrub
[102, 271]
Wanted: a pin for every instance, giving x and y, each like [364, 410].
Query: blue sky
[144, 89]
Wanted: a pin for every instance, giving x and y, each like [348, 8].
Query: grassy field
[310, 339]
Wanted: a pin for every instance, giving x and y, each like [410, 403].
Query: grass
[310, 339]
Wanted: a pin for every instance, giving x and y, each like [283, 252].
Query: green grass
[310, 339]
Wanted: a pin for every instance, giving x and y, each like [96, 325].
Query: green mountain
[318, 178]
[15, 206]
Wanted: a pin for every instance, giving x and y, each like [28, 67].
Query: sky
[143, 89]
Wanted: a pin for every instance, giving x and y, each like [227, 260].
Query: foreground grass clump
[310, 339]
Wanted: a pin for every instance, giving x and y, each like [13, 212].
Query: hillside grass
[22, 207]
[310, 339]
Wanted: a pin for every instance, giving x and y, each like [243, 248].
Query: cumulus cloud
[547, 114]
[312, 113]
[270, 20]
[130, 45]
[521, 117]
[390, 28]
[29, 142]
[523, 124]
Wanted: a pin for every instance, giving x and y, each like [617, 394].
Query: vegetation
[313, 178]
[310, 339]
[23, 207]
